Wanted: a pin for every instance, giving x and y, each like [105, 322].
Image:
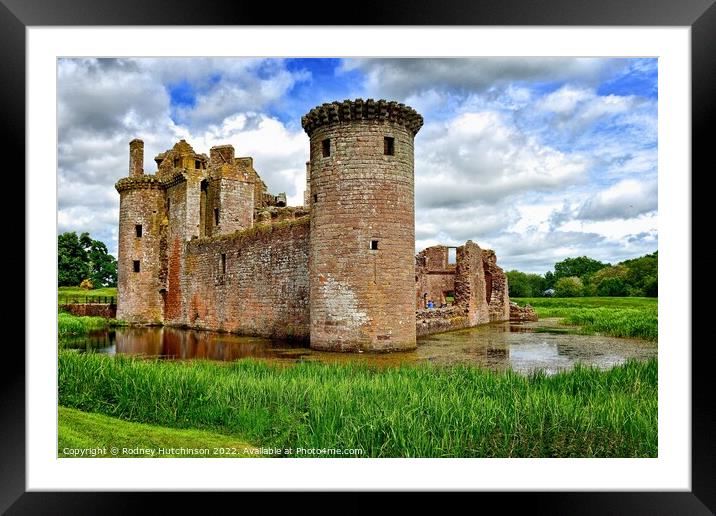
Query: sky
[540, 159]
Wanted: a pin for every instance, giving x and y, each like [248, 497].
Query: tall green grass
[618, 317]
[405, 411]
[588, 302]
[69, 325]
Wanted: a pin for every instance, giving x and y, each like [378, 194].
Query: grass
[69, 325]
[407, 411]
[588, 302]
[616, 316]
[98, 434]
[81, 293]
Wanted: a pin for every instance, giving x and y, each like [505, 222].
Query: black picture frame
[699, 15]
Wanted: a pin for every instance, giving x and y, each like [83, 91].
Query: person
[431, 304]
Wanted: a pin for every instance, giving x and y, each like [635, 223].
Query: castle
[203, 244]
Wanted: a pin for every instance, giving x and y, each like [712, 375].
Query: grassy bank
[80, 293]
[615, 316]
[82, 430]
[398, 412]
[69, 325]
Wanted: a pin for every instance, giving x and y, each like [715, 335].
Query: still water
[523, 347]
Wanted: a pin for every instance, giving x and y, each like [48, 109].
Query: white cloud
[481, 158]
[624, 200]
[401, 78]
[565, 100]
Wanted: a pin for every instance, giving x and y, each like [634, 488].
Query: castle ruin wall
[253, 282]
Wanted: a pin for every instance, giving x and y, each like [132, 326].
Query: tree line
[584, 276]
[82, 259]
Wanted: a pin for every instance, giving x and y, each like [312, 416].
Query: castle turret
[141, 215]
[228, 195]
[362, 242]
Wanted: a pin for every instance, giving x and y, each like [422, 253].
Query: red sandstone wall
[93, 310]
[174, 253]
[264, 290]
[435, 276]
[497, 293]
[440, 320]
[362, 298]
[236, 205]
[470, 284]
[139, 299]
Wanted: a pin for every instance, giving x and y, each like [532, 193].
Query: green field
[615, 316]
[82, 430]
[79, 293]
[407, 411]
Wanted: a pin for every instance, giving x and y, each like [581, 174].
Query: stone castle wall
[259, 287]
[478, 285]
[173, 252]
[471, 284]
[497, 294]
[440, 320]
[434, 276]
[106, 310]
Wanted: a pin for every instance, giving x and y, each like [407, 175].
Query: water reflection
[522, 347]
[176, 343]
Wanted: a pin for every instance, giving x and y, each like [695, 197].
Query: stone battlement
[355, 110]
[138, 182]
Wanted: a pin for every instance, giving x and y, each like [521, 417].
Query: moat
[545, 345]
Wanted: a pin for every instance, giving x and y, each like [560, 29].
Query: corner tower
[141, 215]
[362, 242]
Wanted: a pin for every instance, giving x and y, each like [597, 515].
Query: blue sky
[539, 159]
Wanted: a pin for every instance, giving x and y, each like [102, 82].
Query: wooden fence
[87, 300]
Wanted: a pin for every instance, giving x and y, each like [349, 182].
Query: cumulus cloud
[627, 199]
[404, 77]
[481, 158]
[624, 200]
[566, 101]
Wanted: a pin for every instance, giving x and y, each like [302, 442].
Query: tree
[568, 287]
[609, 281]
[81, 258]
[549, 280]
[651, 286]
[72, 265]
[518, 285]
[613, 287]
[579, 267]
[102, 265]
[642, 275]
[524, 284]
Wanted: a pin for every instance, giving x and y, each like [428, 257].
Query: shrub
[86, 284]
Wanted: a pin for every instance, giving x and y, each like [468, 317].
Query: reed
[618, 317]
[406, 411]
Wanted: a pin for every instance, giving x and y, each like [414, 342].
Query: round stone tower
[141, 215]
[362, 242]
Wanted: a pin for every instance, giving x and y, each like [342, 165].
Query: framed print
[209, 262]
